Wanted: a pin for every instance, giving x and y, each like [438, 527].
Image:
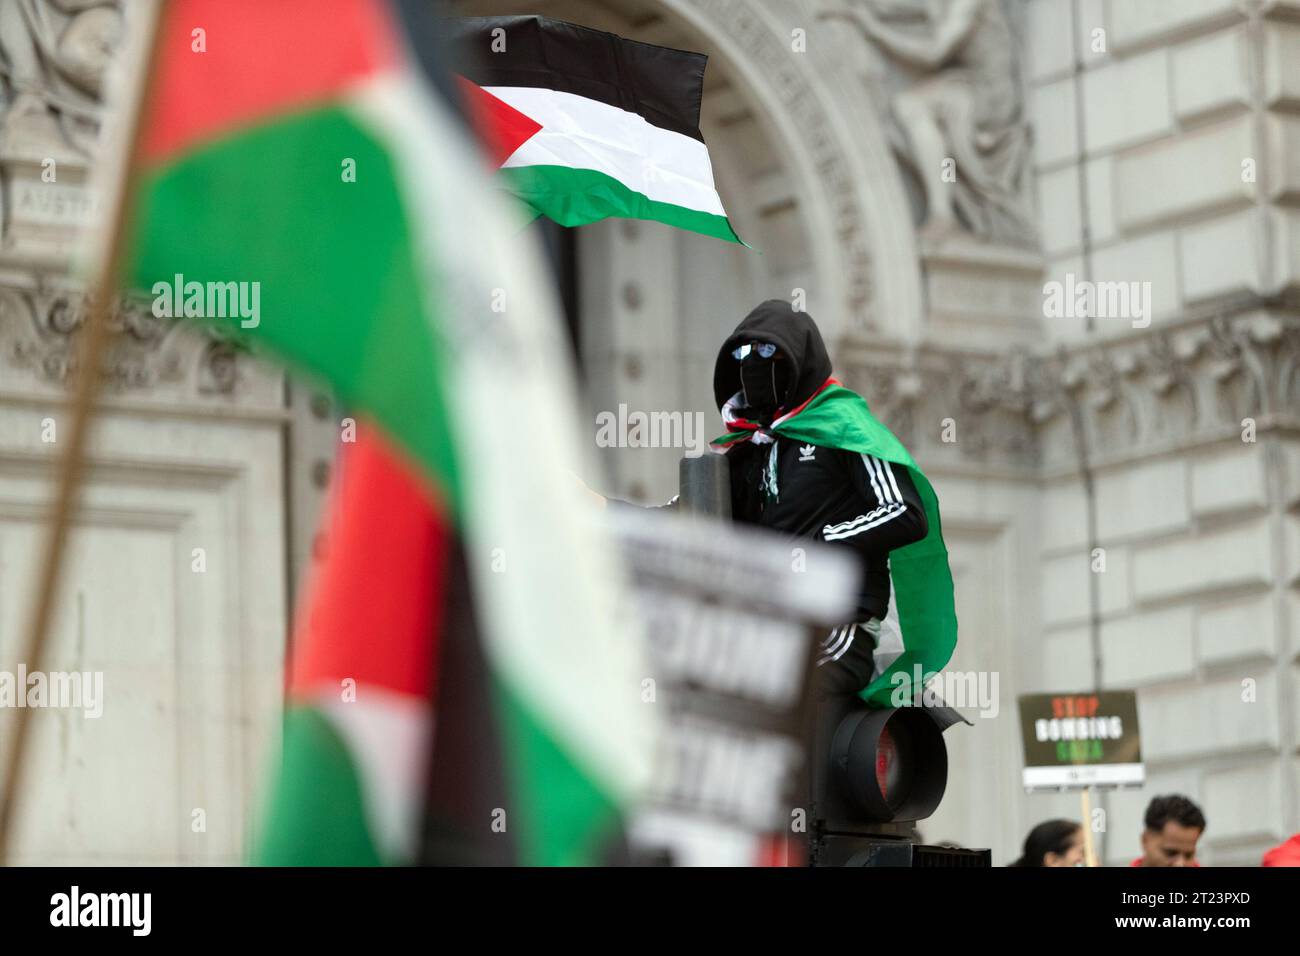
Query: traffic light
[887, 765]
[875, 772]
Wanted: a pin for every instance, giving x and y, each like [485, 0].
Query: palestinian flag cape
[586, 124]
[836, 417]
[302, 149]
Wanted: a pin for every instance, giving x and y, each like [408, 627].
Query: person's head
[1053, 843]
[1173, 824]
[774, 361]
[764, 377]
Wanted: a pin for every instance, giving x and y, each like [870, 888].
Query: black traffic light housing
[874, 773]
[888, 765]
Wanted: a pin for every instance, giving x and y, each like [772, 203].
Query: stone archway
[837, 167]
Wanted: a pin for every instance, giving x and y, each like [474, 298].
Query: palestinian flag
[460, 688]
[586, 124]
[836, 417]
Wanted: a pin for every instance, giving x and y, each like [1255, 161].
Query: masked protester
[809, 461]
[771, 366]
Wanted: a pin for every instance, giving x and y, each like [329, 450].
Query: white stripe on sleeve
[875, 485]
[843, 647]
[893, 512]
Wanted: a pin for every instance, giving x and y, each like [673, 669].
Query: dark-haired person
[1173, 825]
[1053, 843]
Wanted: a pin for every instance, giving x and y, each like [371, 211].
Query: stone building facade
[1120, 476]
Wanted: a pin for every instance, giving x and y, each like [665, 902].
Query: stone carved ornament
[55, 56]
[143, 350]
[1170, 387]
[954, 93]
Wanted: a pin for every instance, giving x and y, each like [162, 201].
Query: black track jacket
[809, 491]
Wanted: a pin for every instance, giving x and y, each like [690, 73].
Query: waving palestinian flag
[587, 125]
[460, 687]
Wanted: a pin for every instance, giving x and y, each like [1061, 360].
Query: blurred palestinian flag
[586, 124]
[460, 690]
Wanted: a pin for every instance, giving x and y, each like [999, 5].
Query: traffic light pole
[705, 483]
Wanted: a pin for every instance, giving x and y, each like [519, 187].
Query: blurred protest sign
[1075, 741]
[731, 617]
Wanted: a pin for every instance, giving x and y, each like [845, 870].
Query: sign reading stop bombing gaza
[1075, 741]
[731, 617]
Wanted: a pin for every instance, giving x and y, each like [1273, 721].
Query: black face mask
[764, 383]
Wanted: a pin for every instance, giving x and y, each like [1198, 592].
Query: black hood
[794, 333]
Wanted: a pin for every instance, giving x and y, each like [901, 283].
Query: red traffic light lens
[888, 768]
[891, 764]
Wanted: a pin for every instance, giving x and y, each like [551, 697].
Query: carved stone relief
[143, 351]
[55, 56]
[1159, 390]
[56, 64]
[954, 109]
[56, 60]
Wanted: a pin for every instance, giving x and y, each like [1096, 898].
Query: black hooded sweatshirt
[809, 491]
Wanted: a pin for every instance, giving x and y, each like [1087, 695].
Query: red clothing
[1286, 853]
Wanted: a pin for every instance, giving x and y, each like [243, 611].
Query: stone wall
[175, 583]
[1165, 158]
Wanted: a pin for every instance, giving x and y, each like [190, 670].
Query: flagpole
[1085, 806]
[86, 381]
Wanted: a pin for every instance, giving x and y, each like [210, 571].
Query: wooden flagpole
[1089, 847]
[87, 375]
